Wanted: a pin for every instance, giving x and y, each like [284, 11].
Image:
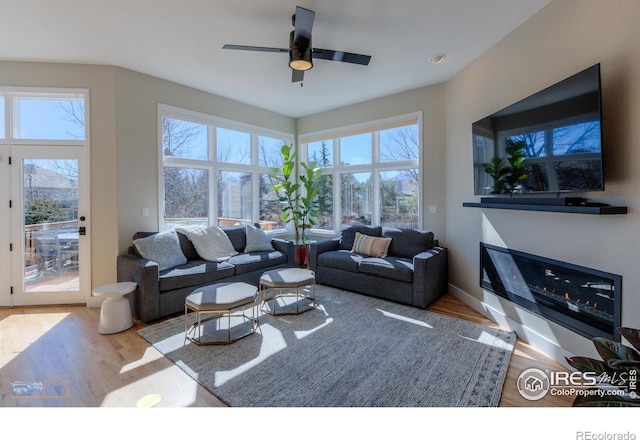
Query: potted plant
[619, 368]
[508, 172]
[298, 193]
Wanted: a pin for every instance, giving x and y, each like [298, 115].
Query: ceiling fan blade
[255, 48]
[337, 55]
[297, 75]
[303, 23]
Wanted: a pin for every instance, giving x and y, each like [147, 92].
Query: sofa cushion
[237, 235]
[394, 268]
[251, 261]
[348, 235]
[344, 260]
[371, 246]
[258, 240]
[193, 273]
[408, 242]
[188, 249]
[162, 248]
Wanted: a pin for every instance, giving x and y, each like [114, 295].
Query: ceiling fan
[301, 53]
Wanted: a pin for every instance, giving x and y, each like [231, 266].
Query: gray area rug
[350, 351]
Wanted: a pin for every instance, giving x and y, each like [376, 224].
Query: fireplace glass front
[582, 299]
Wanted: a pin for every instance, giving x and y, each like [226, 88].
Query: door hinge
[10, 247]
[9, 160]
[10, 203]
[11, 291]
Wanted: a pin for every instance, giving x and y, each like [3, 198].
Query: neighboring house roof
[36, 176]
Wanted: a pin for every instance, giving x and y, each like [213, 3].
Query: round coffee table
[115, 313]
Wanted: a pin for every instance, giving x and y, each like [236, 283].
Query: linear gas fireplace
[584, 300]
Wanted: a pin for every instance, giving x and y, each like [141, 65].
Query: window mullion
[213, 195]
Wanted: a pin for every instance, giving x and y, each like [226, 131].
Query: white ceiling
[181, 41]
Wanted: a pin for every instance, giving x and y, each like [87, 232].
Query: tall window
[217, 172]
[370, 174]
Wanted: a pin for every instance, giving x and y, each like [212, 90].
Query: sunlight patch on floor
[19, 331]
[405, 319]
[304, 333]
[525, 355]
[150, 355]
[486, 338]
[176, 389]
[272, 342]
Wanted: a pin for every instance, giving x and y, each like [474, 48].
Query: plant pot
[300, 255]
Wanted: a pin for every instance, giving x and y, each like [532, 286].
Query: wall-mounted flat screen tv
[550, 142]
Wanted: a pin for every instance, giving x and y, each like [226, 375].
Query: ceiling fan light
[299, 59]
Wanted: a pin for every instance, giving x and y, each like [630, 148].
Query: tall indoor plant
[299, 193]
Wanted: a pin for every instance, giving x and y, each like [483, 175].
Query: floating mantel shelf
[572, 209]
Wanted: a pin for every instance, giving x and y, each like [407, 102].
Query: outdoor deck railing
[30, 232]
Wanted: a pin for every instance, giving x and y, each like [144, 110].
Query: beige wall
[100, 80]
[427, 100]
[562, 39]
[138, 96]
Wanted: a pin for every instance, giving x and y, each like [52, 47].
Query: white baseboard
[542, 344]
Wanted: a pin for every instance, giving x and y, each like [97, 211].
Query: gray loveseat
[162, 293]
[414, 272]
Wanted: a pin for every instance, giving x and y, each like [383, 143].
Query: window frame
[11, 119]
[211, 164]
[375, 167]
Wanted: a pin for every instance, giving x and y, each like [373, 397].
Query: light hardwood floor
[59, 346]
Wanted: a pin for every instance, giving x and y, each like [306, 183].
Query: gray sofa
[414, 272]
[162, 293]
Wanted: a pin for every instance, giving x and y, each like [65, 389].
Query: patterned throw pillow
[371, 246]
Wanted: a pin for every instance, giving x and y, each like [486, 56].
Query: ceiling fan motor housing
[299, 56]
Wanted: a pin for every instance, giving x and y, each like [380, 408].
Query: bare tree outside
[73, 110]
[399, 192]
[270, 206]
[186, 190]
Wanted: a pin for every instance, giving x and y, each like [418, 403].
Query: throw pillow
[408, 242]
[371, 246]
[258, 240]
[211, 242]
[162, 248]
[348, 235]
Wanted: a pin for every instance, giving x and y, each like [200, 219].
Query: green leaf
[632, 335]
[624, 364]
[610, 350]
[585, 365]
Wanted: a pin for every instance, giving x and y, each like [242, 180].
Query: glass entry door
[50, 241]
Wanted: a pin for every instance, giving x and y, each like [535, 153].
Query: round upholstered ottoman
[281, 286]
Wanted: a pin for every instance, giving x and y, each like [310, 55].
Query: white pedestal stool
[115, 314]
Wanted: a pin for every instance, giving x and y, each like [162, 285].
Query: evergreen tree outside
[325, 189]
[43, 211]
